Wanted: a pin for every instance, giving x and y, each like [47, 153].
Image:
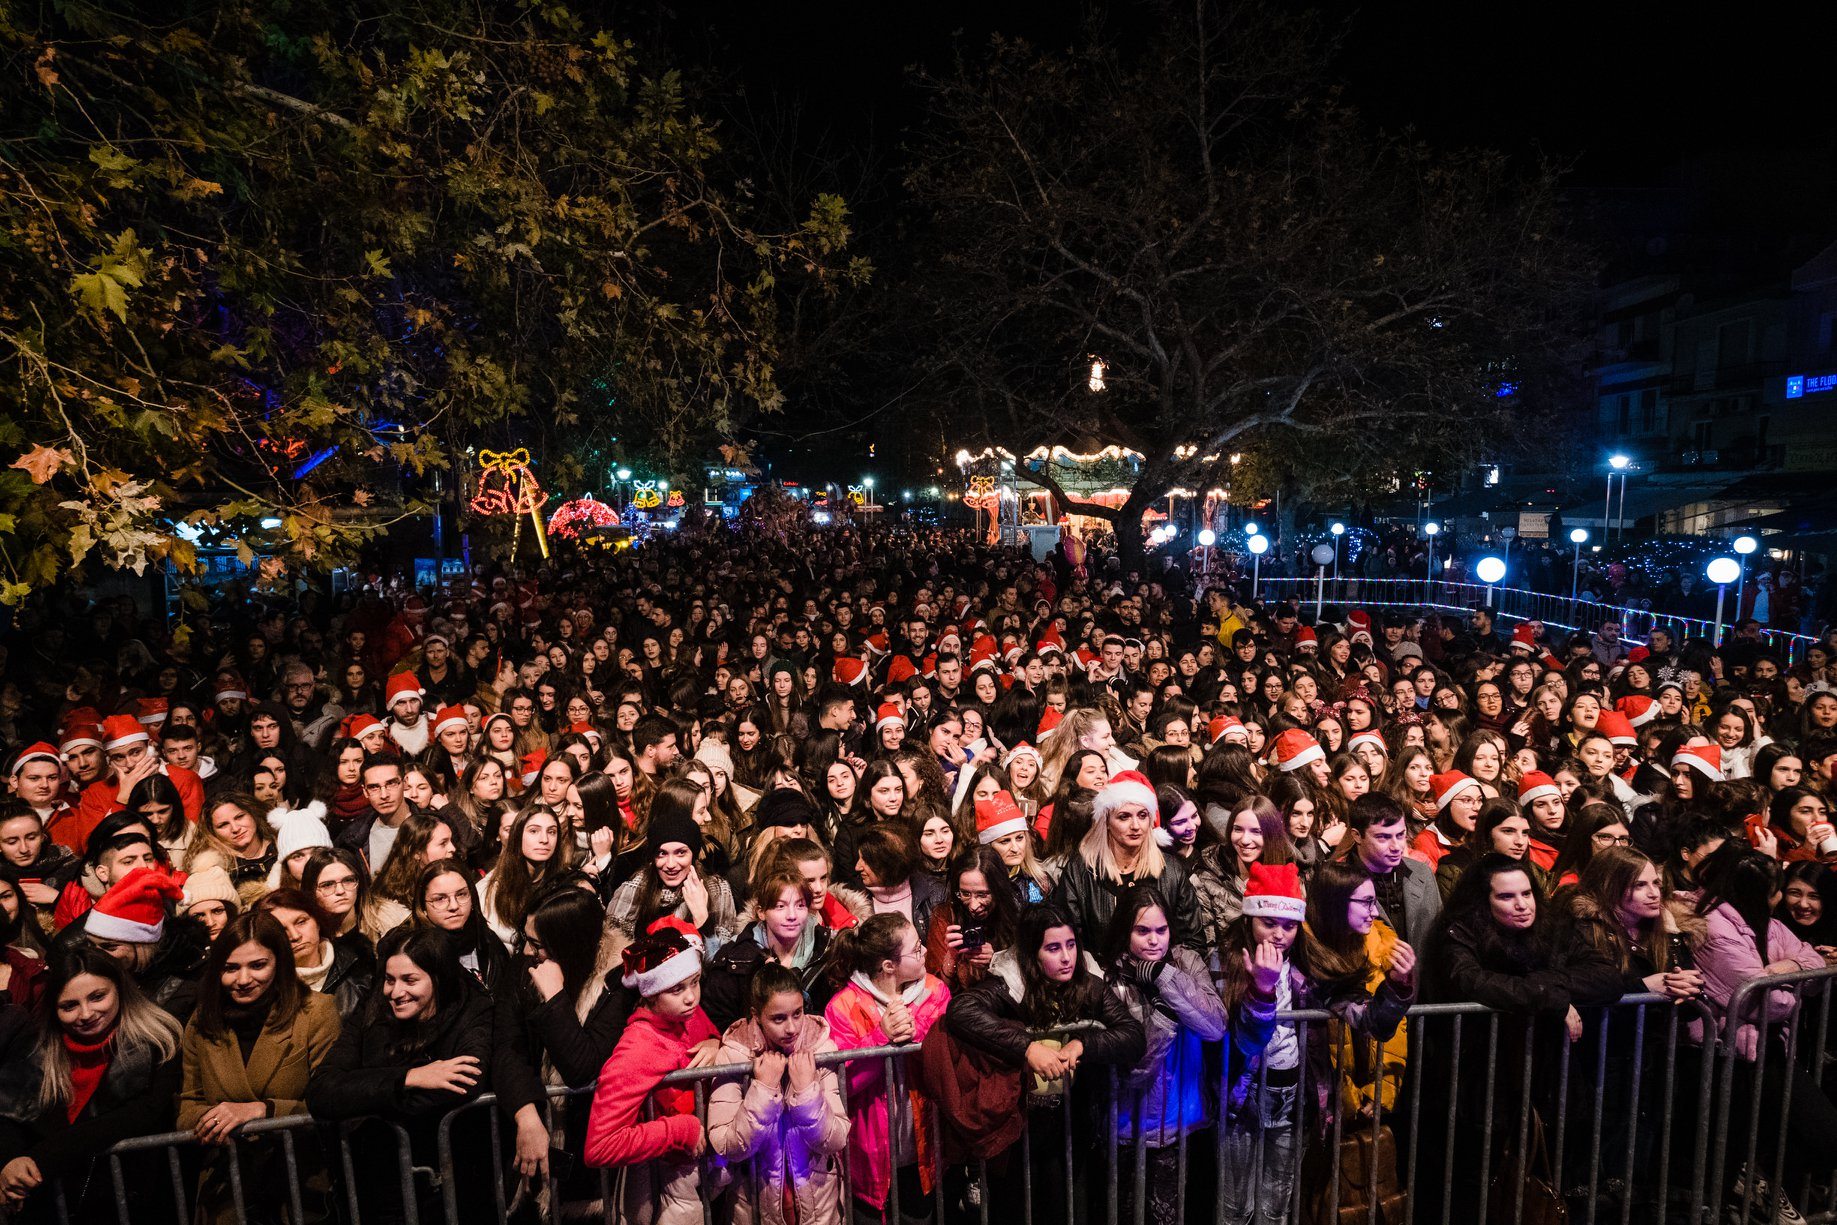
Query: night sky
[1697, 144]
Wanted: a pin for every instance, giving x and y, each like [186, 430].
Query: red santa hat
[1023, 749]
[889, 712]
[530, 766]
[1225, 727]
[1368, 736]
[36, 752]
[1358, 621]
[1051, 640]
[1536, 786]
[1294, 749]
[1704, 758]
[402, 685]
[878, 643]
[451, 716]
[133, 911]
[1305, 637]
[998, 817]
[356, 726]
[1273, 891]
[119, 731]
[1126, 787]
[668, 954]
[1638, 708]
[230, 688]
[1447, 786]
[152, 711]
[849, 670]
[1616, 727]
[1638, 655]
[1049, 722]
[900, 670]
[82, 729]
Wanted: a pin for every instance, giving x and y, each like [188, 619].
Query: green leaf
[100, 291]
[378, 262]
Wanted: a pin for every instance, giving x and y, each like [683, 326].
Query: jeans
[1258, 1179]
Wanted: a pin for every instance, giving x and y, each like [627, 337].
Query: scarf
[314, 977]
[907, 996]
[349, 804]
[801, 952]
[895, 900]
[88, 1065]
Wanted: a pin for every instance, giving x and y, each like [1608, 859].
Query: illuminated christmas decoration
[1095, 382]
[674, 500]
[581, 515]
[857, 495]
[506, 486]
[982, 493]
[646, 496]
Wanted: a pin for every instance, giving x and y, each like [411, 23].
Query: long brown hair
[396, 878]
[514, 883]
[1607, 879]
[288, 993]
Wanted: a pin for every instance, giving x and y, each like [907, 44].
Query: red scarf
[88, 1064]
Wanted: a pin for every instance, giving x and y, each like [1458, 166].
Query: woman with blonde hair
[1118, 850]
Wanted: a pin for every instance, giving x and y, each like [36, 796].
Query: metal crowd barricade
[1513, 604]
[1651, 1107]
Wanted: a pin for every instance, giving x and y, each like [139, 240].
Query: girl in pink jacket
[786, 1119]
[889, 1000]
[666, 1033]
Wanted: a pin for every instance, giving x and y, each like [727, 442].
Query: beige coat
[768, 1136]
[279, 1066]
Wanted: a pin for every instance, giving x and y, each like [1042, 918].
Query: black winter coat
[988, 1017]
[729, 976]
[528, 1031]
[366, 1073]
[1090, 902]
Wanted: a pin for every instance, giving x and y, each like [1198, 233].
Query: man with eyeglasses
[312, 718]
[373, 834]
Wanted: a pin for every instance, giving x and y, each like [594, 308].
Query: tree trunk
[1128, 528]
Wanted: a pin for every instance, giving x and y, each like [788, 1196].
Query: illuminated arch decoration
[506, 486]
[646, 495]
[572, 519]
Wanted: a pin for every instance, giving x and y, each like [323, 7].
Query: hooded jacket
[791, 1139]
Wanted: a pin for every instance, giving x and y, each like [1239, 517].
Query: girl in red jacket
[666, 1033]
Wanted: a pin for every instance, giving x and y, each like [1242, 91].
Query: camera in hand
[973, 935]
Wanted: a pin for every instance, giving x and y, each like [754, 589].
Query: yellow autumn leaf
[42, 463]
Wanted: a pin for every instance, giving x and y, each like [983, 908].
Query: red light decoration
[571, 519]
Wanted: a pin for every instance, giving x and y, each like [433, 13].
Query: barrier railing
[1494, 1116]
[1514, 604]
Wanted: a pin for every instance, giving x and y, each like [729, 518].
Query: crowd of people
[1075, 836]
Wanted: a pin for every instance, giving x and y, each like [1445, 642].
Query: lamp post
[1207, 538]
[1322, 555]
[1744, 545]
[1259, 545]
[1431, 529]
[1338, 529]
[1578, 538]
[1616, 465]
[1721, 571]
[1489, 570]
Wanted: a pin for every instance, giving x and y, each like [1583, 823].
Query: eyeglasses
[1606, 839]
[974, 895]
[1365, 903]
[371, 788]
[347, 885]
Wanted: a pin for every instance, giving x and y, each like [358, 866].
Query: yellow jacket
[1353, 1053]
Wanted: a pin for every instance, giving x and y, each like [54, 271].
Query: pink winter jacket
[1727, 958]
[650, 1049]
[791, 1139]
[854, 1017]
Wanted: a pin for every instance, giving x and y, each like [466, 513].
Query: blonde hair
[1095, 851]
[1065, 740]
[140, 1023]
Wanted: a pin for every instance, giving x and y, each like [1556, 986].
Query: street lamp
[1578, 538]
[1431, 529]
[1616, 466]
[1322, 554]
[1721, 571]
[1489, 570]
[1744, 545]
[1251, 529]
[1207, 538]
[1259, 545]
[1338, 529]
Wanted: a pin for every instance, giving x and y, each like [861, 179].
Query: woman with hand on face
[420, 1049]
[671, 881]
[559, 1015]
[100, 1064]
[787, 1118]
[249, 1051]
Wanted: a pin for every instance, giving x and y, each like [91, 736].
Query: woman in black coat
[1119, 851]
[1497, 944]
[420, 1050]
[558, 1017]
[1044, 982]
[100, 1063]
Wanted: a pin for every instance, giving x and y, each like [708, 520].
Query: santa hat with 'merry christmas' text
[1273, 891]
